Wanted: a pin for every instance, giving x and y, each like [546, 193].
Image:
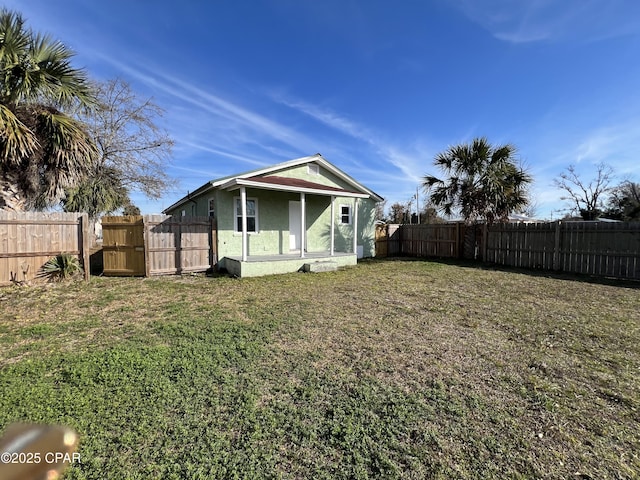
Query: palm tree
[42, 150]
[483, 182]
[101, 192]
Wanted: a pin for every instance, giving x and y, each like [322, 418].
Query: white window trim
[209, 206]
[340, 214]
[313, 169]
[237, 214]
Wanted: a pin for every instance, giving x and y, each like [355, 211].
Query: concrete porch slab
[276, 264]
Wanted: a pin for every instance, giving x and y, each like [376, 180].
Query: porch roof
[285, 184]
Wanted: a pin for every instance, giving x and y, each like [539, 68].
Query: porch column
[243, 207]
[303, 224]
[355, 226]
[333, 225]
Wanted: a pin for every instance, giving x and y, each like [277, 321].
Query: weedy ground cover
[392, 369]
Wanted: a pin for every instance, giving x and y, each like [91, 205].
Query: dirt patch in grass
[392, 369]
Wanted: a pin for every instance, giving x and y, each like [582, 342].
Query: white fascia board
[236, 183]
[266, 170]
[189, 197]
[342, 175]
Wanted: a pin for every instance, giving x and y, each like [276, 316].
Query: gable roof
[260, 178]
[295, 184]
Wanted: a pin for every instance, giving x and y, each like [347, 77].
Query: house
[301, 214]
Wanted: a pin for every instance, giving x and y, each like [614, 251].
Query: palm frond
[61, 267]
[66, 141]
[16, 139]
[67, 154]
[53, 75]
[41, 149]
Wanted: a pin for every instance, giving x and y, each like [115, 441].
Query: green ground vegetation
[391, 369]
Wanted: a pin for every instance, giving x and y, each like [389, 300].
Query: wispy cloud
[244, 124]
[409, 161]
[616, 145]
[222, 153]
[198, 171]
[548, 20]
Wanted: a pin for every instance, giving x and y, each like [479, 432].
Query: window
[212, 207]
[345, 214]
[313, 169]
[252, 215]
[184, 213]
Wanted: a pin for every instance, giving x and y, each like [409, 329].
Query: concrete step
[322, 266]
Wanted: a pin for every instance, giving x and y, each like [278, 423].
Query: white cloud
[409, 161]
[219, 152]
[616, 145]
[550, 20]
[243, 125]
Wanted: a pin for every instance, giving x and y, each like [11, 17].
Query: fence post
[387, 239]
[214, 242]
[83, 230]
[145, 241]
[485, 237]
[556, 247]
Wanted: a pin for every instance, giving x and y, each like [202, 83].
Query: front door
[294, 225]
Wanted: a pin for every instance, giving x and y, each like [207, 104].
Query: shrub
[61, 267]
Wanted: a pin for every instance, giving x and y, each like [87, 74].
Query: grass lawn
[392, 369]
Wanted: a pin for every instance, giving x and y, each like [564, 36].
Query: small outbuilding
[287, 217]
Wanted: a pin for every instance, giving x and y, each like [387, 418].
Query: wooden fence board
[29, 239]
[591, 248]
[521, 245]
[158, 245]
[432, 240]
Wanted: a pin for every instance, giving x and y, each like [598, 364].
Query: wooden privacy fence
[593, 248]
[29, 239]
[432, 240]
[158, 245]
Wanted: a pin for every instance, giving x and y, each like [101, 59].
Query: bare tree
[624, 203]
[129, 140]
[379, 211]
[429, 214]
[586, 198]
[531, 210]
[398, 213]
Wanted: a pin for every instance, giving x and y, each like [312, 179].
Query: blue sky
[377, 87]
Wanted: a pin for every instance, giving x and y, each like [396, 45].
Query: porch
[258, 265]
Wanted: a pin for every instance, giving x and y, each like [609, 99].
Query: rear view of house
[280, 218]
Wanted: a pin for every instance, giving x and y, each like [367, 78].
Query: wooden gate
[381, 241]
[123, 246]
[158, 245]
